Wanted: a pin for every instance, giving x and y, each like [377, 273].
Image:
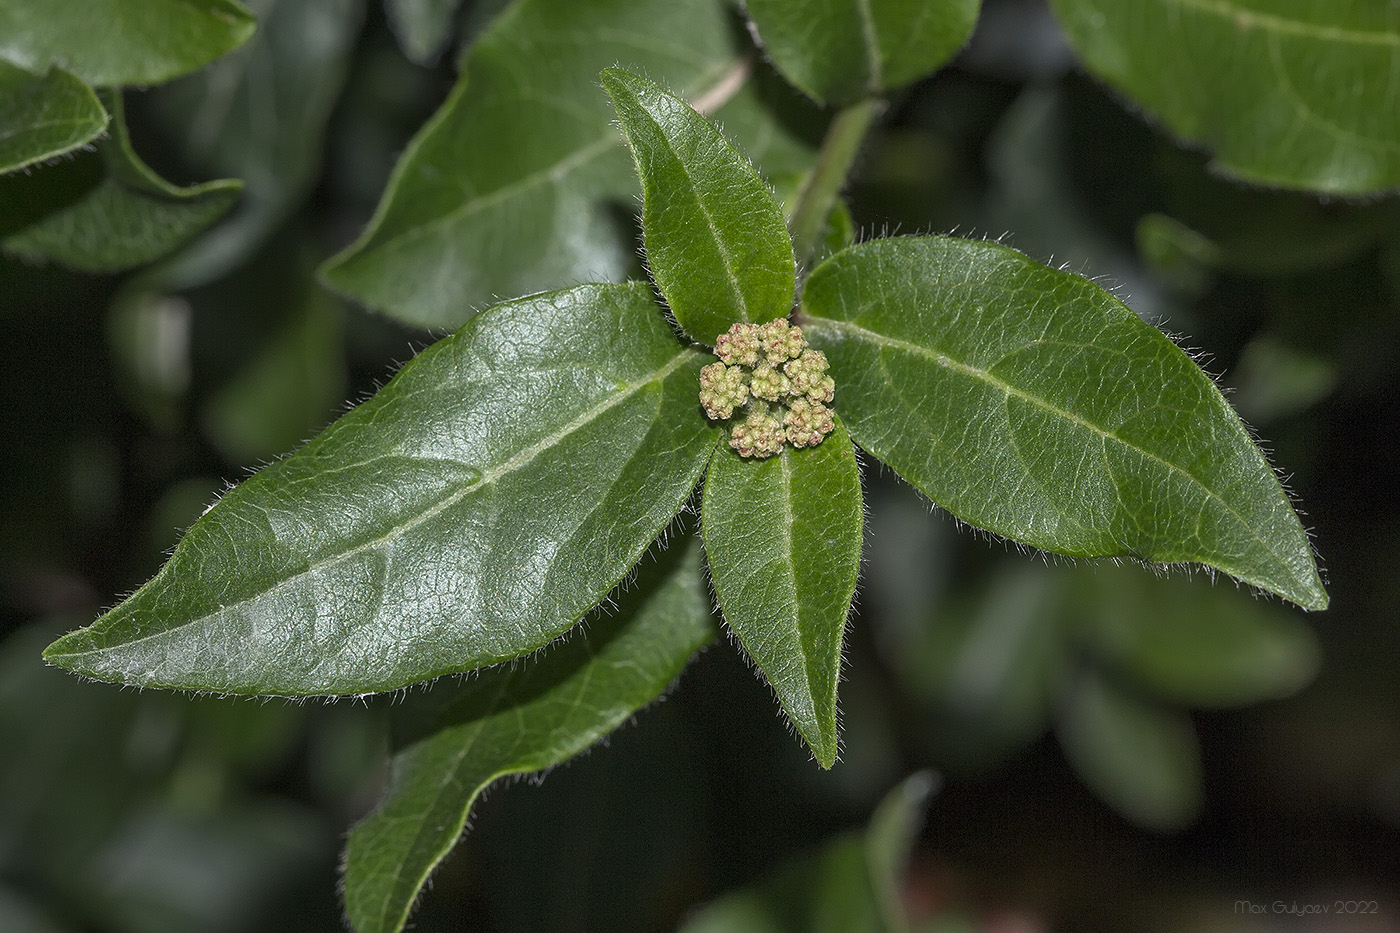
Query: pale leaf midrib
[1243, 17]
[516, 462]
[720, 245]
[553, 173]
[983, 375]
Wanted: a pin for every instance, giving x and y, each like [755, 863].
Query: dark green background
[128, 811]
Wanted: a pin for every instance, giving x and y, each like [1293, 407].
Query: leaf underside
[471, 511]
[1299, 95]
[1031, 403]
[44, 115]
[106, 211]
[783, 539]
[515, 720]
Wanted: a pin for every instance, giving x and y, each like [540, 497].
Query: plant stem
[819, 192]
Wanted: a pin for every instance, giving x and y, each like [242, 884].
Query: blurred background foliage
[1116, 750]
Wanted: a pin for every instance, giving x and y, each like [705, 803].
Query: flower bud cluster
[783, 383]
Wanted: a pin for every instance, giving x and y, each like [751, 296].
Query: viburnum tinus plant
[516, 473]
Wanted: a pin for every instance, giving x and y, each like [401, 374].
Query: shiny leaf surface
[839, 50]
[1030, 402]
[783, 540]
[114, 42]
[520, 181]
[106, 211]
[42, 116]
[717, 244]
[460, 738]
[1298, 94]
[468, 513]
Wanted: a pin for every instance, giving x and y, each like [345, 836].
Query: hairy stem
[819, 192]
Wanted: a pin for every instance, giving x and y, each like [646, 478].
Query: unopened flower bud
[806, 372]
[760, 435]
[781, 341]
[722, 389]
[807, 422]
[768, 383]
[739, 345]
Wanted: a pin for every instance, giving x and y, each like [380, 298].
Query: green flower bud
[760, 435]
[739, 345]
[767, 383]
[722, 389]
[781, 341]
[807, 373]
[807, 422]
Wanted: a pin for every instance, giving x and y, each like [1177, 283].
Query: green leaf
[520, 181]
[783, 538]
[113, 42]
[716, 241]
[514, 720]
[468, 513]
[1297, 95]
[1195, 645]
[106, 211]
[1142, 759]
[42, 116]
[837, 51]
[259, 114]
[852, 885]
[1029, 402]
[423, 27]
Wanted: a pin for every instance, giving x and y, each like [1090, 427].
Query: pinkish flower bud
[781, 341]
[768, 383]
[739, 345]
[722, 389]
[806, 372]
[807, 422]
[760, 435]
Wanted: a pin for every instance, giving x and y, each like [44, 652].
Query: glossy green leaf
[423, 27]
[1142, 759]
[468, 513]
[42, 116]
[1195, 645]
[259, 114]
[716, 241]
[106, 211]
[520, 181]
[852, 885]
[1030, 402]
[783, 538]
[839, 50]
[1296, 94]
[514, 720]
[113, 42]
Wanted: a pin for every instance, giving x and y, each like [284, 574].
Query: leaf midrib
[1011, 390]
[720, 245]
[1244, 18]
[516, 462]
[553, 173]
